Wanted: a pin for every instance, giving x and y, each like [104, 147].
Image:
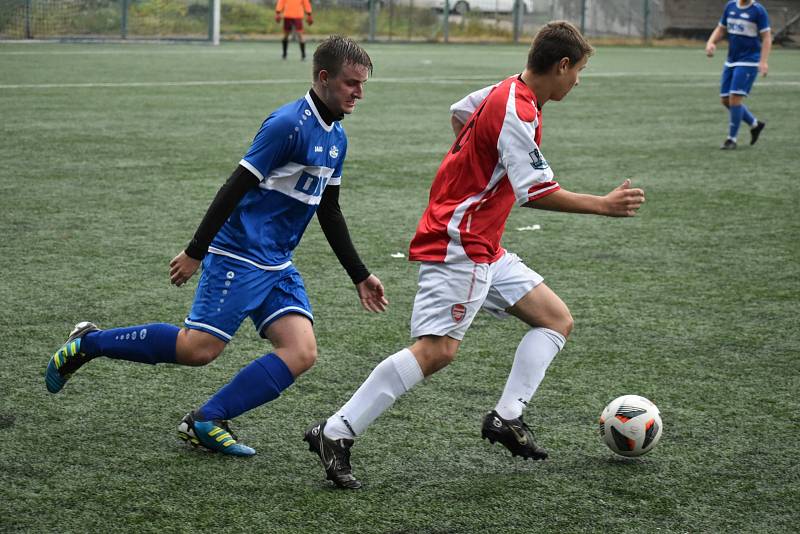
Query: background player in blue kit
[749, 44]
[245, 242]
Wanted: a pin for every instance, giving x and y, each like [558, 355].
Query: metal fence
[374, 20]
[106, 19]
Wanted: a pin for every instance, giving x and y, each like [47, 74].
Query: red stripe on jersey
[536, 187]
[543, 193]
[472, 195]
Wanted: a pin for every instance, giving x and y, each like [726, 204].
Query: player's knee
[435, 353]
[725, 101]
[563, 323]
[308, 357]
[446, 355]
[567, 325]
[302, 358]
[202, 355]
[195, 348]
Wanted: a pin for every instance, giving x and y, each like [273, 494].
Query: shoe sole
[186, 434]
[513, 454]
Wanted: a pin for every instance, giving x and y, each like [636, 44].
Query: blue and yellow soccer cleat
[214, 435]
[68, 358]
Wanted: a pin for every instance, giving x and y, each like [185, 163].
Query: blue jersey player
[245, 242]
[749, 44]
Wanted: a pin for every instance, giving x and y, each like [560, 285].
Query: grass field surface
[111, 154]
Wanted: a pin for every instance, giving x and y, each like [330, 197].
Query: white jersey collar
[325, 126]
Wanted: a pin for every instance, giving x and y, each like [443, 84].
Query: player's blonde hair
[556, 40]
[336, 51]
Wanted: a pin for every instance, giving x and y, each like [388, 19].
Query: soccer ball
[630, 425]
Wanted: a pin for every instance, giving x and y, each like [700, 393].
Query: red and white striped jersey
[494, 163]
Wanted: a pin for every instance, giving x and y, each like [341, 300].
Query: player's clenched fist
[181, 268]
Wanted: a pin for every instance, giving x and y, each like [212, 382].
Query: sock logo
[142, 333]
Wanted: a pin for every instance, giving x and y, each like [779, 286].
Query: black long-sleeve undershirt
[335, 229]
[329, 214]
[226, 200]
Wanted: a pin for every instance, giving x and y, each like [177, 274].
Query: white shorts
[450, 294]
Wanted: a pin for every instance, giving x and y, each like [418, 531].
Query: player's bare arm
[623, 201]
[711, 45]
[766, 48]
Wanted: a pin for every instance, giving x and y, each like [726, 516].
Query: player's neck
[743, 3]
[540, 85]
[322, 107]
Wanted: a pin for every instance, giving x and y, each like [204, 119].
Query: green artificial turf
[110, 157]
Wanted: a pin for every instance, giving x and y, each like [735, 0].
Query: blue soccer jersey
[295, 155]
[745, 26]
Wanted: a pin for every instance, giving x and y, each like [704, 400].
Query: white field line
[428, 80]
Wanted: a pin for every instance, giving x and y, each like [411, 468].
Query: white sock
[391, 378]
[534, 354]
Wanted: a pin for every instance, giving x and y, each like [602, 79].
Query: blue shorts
[737, 80]
[230, 290]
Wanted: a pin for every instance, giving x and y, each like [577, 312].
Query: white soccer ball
[630, 425]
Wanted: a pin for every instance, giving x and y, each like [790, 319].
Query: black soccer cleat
[514, 434]
[755, 131]
[334, 454]
[729, 144]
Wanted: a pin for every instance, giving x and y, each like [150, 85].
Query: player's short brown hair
[336, 51]
[556, 40]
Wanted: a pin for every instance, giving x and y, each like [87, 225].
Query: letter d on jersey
[310, 185]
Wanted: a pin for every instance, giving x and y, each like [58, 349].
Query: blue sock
[149, 343]
[736, 119]
[259, 382]
[748, 117]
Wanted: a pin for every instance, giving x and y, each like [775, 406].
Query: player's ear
[563, 65]
[323, 77]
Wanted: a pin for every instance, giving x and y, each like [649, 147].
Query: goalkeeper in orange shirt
[292, 12]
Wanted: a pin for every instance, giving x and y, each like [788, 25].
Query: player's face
[569, 77]
[347, 88]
